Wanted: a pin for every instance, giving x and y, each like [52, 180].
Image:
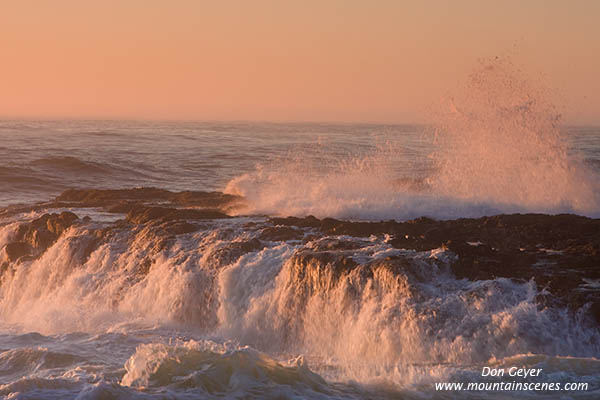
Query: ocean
[156, 260]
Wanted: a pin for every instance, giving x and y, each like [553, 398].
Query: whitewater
[185, 260]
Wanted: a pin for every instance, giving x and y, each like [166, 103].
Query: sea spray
[499, 140]
[356, 308]
[217, 368]
[497, 146]
[177, 305]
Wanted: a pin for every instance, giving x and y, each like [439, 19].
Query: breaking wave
[354, 309]
[497, 147]
[147, 293]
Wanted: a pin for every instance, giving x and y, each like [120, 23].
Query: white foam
[401, 323]
[497, 148]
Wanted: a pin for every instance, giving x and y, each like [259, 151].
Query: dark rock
[100, 197]
[234, 250]
[4, 267]
[203, 199]
[121, 200]
[17, 250]
[42, 232]
[335, 244]
[123, 207]
[61, 223]
[179, 227]
[595, 311]
[306, 222]
[324, 261]
[557, 251]
[141, 215]
[280, 233]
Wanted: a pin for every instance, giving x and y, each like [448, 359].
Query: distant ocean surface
[372, 162]
[42, 159]
[157, 295]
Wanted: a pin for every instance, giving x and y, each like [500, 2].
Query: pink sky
[375, 61]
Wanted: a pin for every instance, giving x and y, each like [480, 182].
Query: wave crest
[497, 147]
[219, 369]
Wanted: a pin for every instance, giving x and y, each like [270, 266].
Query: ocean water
[116, 310]
[201, 324]
[42, 159]
[349, 171]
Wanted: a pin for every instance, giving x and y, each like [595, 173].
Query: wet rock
[203, 199]
[306, 222]
[595, 311]
[42, 232]
[234, 250]
[280, 233]
[323, 262]
[141, 215]
[99, 197]
[16, 250]
[559, 252]
[124, 200]
[61, 223]
[123, 207]
[121, 200]
[179, 227]
[335, 244]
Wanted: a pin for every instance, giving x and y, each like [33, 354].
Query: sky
[311, 60]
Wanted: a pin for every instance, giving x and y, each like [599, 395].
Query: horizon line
[245, 121]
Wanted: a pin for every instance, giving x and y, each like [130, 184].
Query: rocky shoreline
[561, 253]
